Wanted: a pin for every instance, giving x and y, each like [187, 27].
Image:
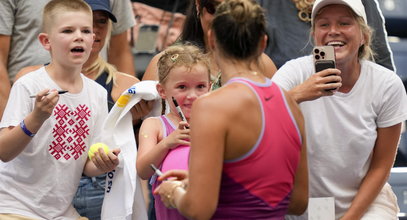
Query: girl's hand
[180, 136]
[45, 101]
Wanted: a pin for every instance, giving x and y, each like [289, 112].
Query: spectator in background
[289, 25]
[158, 25]
[167, 5]
[119, 51]
[169, 15]
[91, 190]
[199, 16]
[20, 25]
[352, 131]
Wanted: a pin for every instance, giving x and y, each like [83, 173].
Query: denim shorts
[89, 196]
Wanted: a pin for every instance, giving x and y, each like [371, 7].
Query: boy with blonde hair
[44, 140]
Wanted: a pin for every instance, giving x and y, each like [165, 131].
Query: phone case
[324, 57]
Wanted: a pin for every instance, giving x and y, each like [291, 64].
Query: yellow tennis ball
[95, 147]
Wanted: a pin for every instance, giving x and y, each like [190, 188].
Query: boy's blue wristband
[26, 131]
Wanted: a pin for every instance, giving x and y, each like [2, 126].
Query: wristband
[26, 131]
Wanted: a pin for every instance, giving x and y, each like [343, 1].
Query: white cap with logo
[355, 5]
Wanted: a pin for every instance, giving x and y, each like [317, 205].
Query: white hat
[355, 5]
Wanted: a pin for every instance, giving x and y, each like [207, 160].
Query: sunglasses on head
[210, 6]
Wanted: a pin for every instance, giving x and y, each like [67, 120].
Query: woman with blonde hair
[353, 113]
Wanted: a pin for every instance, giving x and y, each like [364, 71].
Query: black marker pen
[181, 114]
[59, 92]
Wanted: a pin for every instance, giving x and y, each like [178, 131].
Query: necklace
[304, 9]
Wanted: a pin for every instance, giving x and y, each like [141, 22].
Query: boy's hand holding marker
[45, 101]
[59, 92]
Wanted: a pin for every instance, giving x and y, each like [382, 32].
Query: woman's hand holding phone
[317, 85]
[324, 58]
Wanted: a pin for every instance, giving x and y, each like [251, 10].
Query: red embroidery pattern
[69, 132]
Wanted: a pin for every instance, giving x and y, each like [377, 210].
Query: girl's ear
[161, 91]
[44, 40]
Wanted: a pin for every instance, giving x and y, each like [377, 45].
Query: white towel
[123, 195]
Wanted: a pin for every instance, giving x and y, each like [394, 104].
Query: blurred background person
[199, 16]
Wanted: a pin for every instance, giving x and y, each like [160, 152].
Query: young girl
[184, 75]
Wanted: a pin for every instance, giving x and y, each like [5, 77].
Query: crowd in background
[229, 52]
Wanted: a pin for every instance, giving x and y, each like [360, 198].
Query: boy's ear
[161, 91]
[44, 40]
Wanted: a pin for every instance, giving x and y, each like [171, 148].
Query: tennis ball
[95, 147]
